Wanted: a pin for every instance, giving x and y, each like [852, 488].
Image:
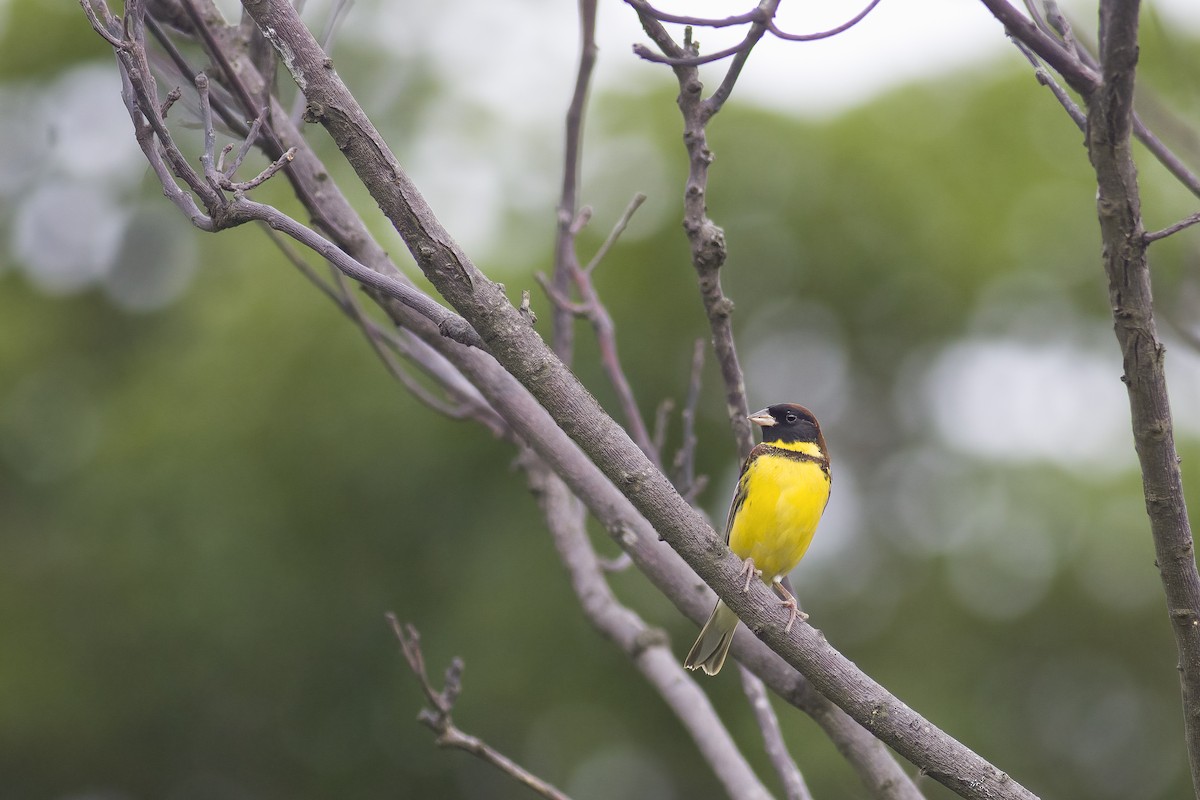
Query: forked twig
[437, 716]
[591, 308]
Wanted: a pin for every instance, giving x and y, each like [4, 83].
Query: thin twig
[1166, 156]
[379, 345]
[1046, 79]
[102, 28]
[700, 22]
[1059, 23]
[685, 457]
[450, 324]
[662, 417]
[592, 308]
[223, 212]
[812, 37]
[645, 53]
[262, 177]
[250, 141]
[1186, 222]
[437, 716]
[616, 231]
[187, 72]
[757, 29]
[566, 260]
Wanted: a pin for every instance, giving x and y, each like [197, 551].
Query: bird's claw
[794, 613]
[750, 572]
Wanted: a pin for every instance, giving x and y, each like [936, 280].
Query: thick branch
[521, 351]
[1110, 125]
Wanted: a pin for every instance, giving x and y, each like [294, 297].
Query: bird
[781, 494]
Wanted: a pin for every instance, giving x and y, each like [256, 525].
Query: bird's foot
[789, 602]
[750, 573]
[794, 614]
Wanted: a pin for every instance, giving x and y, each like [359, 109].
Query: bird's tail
[710, 649]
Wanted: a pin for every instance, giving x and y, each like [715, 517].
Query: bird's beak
[762, 418]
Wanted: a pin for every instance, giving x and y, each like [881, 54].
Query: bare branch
[467, 402]
[566, 261]
[700, 22]
[437, 718]
[451, 325]
[523, 354]
[1057, 23]
[168, 101]
[812, 37]
[685, 458]
[1165, 156]
[143, 132]
[105, 29]
[713, 104]
[379, 342]
[648, 649]
[260, 178]
[615, 233]
[186, 71]
[145, 112]
[686, 58]
[662, 416]
[1046, 79]
[706, 239]
[1067, 63]
[881, 774]
[593, 309]
[1110, 126]
[1186, 222]
[249, 142]
[1157, 148]
[794, 786]
[643, 52]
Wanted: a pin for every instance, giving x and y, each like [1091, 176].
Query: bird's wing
[739, 496]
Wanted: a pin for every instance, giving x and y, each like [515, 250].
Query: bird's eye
[791, 417]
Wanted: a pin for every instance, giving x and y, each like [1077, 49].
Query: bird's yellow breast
[782, 499]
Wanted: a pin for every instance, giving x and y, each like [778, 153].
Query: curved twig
[812, 37]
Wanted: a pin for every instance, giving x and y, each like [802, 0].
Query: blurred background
[211, 492]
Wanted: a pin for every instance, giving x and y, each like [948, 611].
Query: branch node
[526, 310]
[459, 330]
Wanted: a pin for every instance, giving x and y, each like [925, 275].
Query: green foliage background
[205, 510]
